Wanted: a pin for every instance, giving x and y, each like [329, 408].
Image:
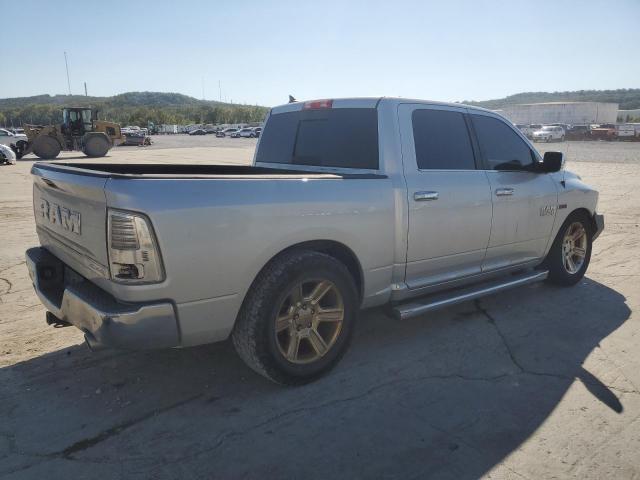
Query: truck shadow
[449, 396]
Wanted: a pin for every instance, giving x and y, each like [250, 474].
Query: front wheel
[297, 319]
[570, 253]
[96, 146]
[46, 147]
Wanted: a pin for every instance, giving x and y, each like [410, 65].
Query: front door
[449, 199]
[524, 202]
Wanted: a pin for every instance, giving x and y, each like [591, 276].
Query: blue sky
[261, 51]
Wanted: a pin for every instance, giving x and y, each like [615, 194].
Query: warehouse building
[572, 113]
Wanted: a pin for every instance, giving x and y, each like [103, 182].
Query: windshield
[341, 137]
[547, 129]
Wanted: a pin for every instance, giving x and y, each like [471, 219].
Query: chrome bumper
[105, 321]
[598, 223]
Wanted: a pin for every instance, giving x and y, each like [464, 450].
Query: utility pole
[85, 89]
[220, 90]
[202, 88]
[66, 64]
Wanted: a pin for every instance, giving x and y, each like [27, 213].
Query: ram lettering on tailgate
[61, 216]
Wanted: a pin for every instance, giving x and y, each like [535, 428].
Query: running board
[446, 299]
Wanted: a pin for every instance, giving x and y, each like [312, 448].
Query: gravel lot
[540, 382]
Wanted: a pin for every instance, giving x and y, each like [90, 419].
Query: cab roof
[367, 102]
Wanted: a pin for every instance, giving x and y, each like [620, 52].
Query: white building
[572, 113]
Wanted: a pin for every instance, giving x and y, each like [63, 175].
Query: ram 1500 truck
[349, 204]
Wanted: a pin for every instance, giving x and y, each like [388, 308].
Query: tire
[560, 271]
[46, 147]
[255, 335]
[96, 146]
[21, 147]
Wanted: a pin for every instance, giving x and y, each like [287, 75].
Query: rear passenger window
[501, 147]
[442, 140]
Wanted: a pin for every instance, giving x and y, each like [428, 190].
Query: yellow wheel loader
[80, 131]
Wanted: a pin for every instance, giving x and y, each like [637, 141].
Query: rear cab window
[328, 137]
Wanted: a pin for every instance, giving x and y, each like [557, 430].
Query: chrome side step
[446, 299]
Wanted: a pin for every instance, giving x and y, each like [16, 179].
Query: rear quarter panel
[215, 235]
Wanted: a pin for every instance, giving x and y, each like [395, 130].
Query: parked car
[227, 132]
[198, 131]
[7, 155]
[532, 128]
[421, 212]
[243, 132]
[136, 139]
[626, 132]
[9, 138]
[605, 131]
[549, 133]
[578, 132]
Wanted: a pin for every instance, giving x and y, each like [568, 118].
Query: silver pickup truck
[349, 204]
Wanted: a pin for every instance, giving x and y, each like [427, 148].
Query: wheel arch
[333, 248]
[585, 211]
[557, 228]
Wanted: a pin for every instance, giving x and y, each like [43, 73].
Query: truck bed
[157, 170]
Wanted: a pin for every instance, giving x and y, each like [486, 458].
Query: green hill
[626, 98]
[131, 108]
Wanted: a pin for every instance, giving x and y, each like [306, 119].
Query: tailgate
[70, 213]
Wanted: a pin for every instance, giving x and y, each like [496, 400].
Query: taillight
[133, 250]
[317, 104]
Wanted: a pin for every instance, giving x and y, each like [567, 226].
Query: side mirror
[552, 162]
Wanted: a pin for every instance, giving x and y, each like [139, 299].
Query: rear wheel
[46, 147]
[298, 317]
[570, 253]
[96, 146]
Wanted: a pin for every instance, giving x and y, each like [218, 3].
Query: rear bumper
[598, 223]
[105, 321]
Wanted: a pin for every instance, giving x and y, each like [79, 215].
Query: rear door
[449, 199]
[524, 202]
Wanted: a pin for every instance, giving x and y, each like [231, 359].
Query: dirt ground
[540, 382]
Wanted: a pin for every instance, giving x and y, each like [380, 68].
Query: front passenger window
[501, 147]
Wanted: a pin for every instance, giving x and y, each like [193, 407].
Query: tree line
[45, 114]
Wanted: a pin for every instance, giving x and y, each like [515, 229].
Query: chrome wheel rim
[574, 247]
[309, 321]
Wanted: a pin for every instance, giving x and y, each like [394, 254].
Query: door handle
[503, 192]
[425, 196]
